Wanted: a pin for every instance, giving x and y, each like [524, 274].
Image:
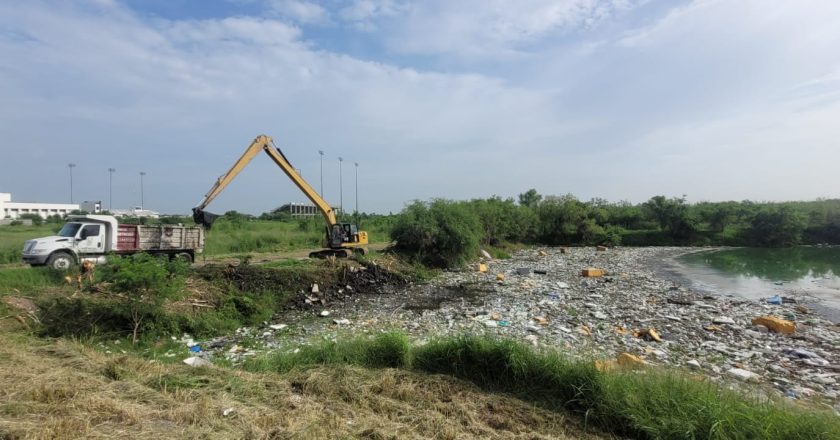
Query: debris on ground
[592, 272]
[776, 325]
[196, 361]
[637, 309]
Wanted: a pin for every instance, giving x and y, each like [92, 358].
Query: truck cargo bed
[133, 238]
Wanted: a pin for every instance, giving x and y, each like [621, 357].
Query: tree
[530, 198]
[717, 215]
[778, 227]
[502, 220]
[672, 215]
[560, 219]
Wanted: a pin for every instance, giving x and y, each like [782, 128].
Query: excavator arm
[266, 144]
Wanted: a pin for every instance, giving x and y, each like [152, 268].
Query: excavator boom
[339, 235]
[261, 143]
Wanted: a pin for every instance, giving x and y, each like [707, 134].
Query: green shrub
[88, 316]
[36, 219]
[142, 284]
[439, 234]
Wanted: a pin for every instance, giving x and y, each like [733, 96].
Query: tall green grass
[12, 239]
[646, 404]
[29, 279]
[259, 236]
[390, 350]
[228, 237]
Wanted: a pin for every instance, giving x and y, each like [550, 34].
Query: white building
[136, 212]
[304, 209]
[13, 210]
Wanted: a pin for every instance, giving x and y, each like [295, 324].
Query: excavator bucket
[204, 218]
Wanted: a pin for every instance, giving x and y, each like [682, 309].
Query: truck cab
[82, 238]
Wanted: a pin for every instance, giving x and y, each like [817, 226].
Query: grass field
[12, 239]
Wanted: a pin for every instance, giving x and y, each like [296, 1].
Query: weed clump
[387, 350]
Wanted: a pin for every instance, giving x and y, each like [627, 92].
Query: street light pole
[71, 166]
[142, 201]
[356, 210]
[111, 189]
[321, 152]
[340, 187]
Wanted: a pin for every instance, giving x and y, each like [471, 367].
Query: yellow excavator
[342, 239]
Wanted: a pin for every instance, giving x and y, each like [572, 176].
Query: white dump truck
[92, 237]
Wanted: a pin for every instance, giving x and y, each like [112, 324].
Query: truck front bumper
[35, 260]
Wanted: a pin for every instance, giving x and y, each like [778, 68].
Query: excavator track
[327, 253]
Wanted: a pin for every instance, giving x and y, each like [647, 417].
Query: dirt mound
[335, 282]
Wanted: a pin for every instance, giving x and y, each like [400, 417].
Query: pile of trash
[608, 303]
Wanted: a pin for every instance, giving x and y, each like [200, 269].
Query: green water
[760, 272]
[787, 264]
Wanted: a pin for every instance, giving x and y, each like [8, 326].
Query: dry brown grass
[60, 389]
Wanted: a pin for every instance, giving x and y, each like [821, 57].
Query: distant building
[136, 212]
[92, 207]
[303, 210]
[13, 210]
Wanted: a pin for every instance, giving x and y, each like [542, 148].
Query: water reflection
[785, 265]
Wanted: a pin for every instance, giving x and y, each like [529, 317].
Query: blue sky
[620, 99]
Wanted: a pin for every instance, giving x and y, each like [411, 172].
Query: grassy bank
[66, 390]
[637, 404]
[150, 299]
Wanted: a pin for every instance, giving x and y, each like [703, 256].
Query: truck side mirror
[83, 235]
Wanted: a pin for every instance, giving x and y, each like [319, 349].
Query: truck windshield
[69, 230]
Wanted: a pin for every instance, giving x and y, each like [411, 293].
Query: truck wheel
[186, 257]
[61, 261]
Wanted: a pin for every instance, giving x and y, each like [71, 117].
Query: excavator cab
[343, 233]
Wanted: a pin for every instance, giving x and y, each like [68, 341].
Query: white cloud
[163, 95]
[301, 11]
[716, 100]
[362, 13]
[492, 27]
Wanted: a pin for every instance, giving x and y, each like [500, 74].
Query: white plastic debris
[741, 374]
[196, 361]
